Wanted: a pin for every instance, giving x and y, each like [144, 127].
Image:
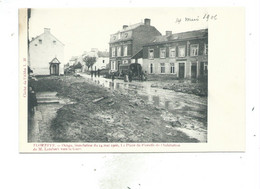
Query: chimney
[125, 26]
[147, 21]
[47, 30]
[168, 33]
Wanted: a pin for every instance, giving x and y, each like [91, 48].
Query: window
[172, 67]
[194, 50]
[113, 65]
[206, 49]
[40, 41]
[118, 51]
[151, 68]
[162, 67]
[151, 54]
[162, 53]
[113, 51]
[125, 50]
[181, 51]
[172, 52]
[103, 61]
[54, 42]
[125, 61]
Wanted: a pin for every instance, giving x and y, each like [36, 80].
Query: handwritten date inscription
[206, 17]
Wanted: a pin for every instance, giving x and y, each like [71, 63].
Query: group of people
[95, 73]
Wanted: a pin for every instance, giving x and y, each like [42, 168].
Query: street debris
[102, 115]
[98, 99]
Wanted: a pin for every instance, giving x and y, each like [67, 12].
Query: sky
[81, 29]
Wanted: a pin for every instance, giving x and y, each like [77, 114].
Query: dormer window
[40, 41]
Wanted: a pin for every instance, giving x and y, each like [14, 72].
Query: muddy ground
[99, 114]
[185, 86]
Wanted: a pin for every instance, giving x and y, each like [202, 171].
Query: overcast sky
[83, 29]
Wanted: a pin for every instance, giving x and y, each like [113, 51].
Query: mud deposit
[100, 114]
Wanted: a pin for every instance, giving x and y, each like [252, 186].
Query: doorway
[54, 69]
[193, 70]
[181, 70]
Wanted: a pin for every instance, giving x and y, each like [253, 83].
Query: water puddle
[191, 110]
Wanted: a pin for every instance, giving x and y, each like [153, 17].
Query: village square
[147, 86]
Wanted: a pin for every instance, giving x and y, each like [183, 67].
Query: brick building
[46, 54]
[182, 54]
[127, 42]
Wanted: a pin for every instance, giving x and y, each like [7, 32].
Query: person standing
[113, 77]
[130, 76]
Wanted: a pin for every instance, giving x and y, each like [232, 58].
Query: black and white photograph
[131, 79]
[120, 77]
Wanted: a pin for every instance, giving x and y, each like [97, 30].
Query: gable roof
[42, 35]
[131, 27]
[54, 61]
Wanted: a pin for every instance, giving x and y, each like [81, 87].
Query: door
[194, 70]
[118, 64]
[202, 68]
[181, 70]
[55, 69]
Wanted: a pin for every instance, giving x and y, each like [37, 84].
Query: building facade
[127, 42]
[42, 50]
[102, 59]
[182, 54]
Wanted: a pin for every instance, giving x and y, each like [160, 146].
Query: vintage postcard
[132, 80]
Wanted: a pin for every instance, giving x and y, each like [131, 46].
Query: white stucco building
[102, 59]
[46, 54]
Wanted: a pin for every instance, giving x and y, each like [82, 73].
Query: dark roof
[103, 54]
[179, 36]
[131, 27]
[55, 61]
[139, 54]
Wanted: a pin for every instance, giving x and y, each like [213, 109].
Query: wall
[188, 60]
[100, 64]
[142, 35]
[42, 54]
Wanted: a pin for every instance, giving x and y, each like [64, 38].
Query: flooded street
[177, 111]
[190, 110]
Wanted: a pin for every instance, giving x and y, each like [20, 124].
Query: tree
[78, 66]
[89, 61]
